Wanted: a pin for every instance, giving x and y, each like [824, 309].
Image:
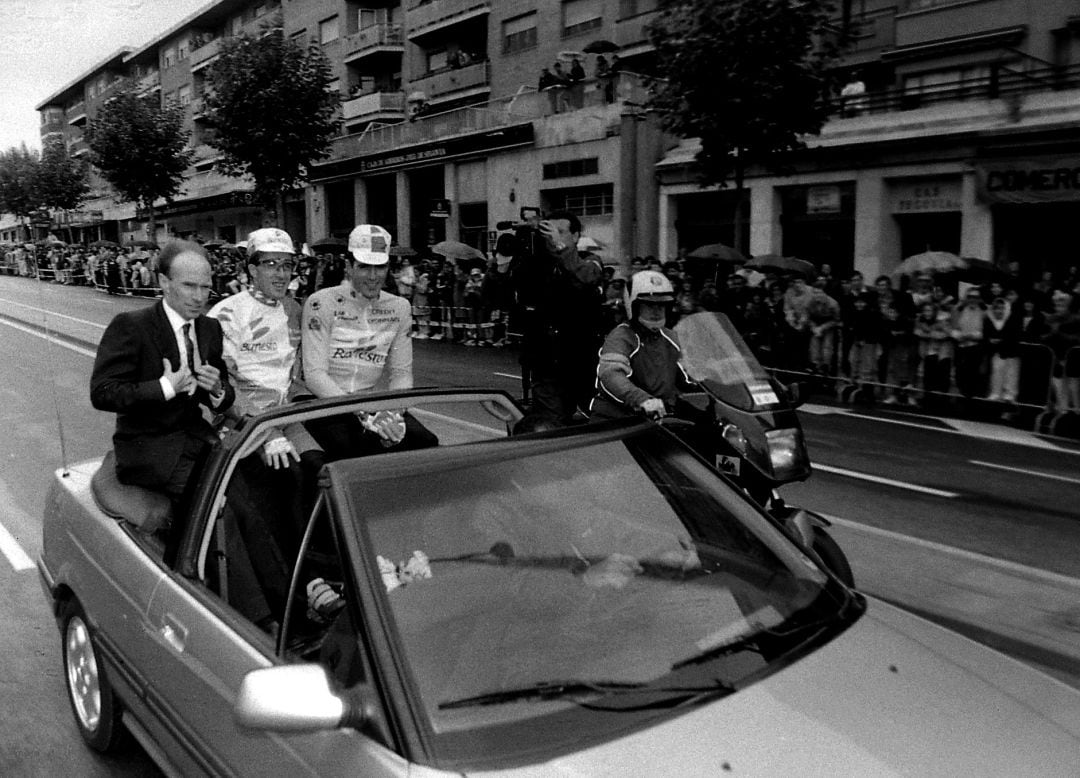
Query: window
[91, 90]
[235, 25]
[596, 200]
[628, 8]
[168, 57]
[572, 167]
[581, 16]
[371, 17]
[519, 34]
[328, 30]
[184, 94]
[436, 60]
[298, 37]
[182, 50]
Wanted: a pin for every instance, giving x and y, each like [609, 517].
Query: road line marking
[508, 375]
[1024, 471]
[77, 349]
[13, 551]
[887, 481]
[54, 313]
[974, 556]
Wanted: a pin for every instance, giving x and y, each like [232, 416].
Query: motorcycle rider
[640, 369]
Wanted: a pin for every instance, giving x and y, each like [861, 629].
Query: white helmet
[651, 287]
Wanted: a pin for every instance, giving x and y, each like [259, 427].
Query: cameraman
[561, 301]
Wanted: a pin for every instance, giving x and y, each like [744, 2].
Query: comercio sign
[1030, 181]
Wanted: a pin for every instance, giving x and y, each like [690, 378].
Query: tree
[271, 110]
[18, 171]
[750, 78]
[140, 148]
[60, 180]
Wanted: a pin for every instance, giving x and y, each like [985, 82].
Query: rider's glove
[653, 407]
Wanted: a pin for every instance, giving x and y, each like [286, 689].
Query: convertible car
[587, 601]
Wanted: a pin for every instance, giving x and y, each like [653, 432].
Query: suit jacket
[150, 432]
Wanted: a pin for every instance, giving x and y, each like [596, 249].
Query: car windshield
[543, 598]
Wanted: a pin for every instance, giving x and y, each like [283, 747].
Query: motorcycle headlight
[785, 452]
[734, 437]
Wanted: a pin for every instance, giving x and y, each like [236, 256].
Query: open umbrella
[213, 244]
[600, 47]
[718, 252]
[104, 244]
[586, 243]
[330, 243]
[930, 262]
[141, 244]
[402, 251]
[783, 264]
[569, 56]
[453, 249]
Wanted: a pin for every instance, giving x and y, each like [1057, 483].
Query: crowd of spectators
[917, 340]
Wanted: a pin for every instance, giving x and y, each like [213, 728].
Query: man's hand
[208, 377]
[388, 425]
[553, 235]
[276, 452]
[653, 408]
[181, 380]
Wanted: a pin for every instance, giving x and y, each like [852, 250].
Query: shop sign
[1030, 181]
[440, 208]
[823, 199]
[927, 196]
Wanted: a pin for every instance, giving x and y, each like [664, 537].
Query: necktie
[189, 345]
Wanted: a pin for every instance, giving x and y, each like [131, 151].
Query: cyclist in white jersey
[355, 333]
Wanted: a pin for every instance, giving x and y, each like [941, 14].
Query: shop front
[928, 213]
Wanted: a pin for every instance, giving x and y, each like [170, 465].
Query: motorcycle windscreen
[715, 355]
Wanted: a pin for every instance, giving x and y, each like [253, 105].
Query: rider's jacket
[261, 348]
[349, 341]
[637, 363]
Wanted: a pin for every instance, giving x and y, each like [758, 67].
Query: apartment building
[967, 139]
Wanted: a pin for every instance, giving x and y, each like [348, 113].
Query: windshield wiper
[545, 690]
[771, 641]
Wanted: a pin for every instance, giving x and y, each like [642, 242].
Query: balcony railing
[1004, 83]
[76, 111]
[202, 56]
[148, 82]
[77, 147]
[385, 105]
[525, 106]
[449, 80]
[424, 18]
[379, 37]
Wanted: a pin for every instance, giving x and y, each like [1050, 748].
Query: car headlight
[785, 452]
[734, 437]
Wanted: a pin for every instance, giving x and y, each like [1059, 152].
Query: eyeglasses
[278, 264]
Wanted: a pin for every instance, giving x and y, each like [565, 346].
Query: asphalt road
[976, 527]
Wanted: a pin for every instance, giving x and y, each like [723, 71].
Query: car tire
[93, 703]
[829, 551]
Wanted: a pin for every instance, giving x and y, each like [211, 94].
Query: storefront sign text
[927, 197]
[1032, 181]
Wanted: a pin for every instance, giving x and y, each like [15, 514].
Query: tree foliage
[140, 148]
[749, 78]
[18, 174]
[61, 181]
[271, 111]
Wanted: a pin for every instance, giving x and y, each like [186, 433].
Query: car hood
[893, 694]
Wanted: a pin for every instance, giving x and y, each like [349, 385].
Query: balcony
[428, 17]
[372, 40]
[473, 78]
[76, 113]
[383, 106]
[521, 108]
[77, 147]
[148, 83]
[205, 54]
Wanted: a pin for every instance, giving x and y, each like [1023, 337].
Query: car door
[206, 647]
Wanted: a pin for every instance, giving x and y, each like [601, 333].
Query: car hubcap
[82, 674]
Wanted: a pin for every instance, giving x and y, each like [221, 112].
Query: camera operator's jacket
[559, 293]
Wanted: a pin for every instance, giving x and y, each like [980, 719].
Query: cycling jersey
[348, 341]
[261, 348]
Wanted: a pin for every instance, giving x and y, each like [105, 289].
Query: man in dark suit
[155, 367]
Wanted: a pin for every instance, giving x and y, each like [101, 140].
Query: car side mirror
[295, 698]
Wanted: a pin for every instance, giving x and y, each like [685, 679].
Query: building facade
[964, 136]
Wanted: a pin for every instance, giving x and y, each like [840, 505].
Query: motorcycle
[744, 422]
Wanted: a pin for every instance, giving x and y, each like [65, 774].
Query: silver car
[587, 601]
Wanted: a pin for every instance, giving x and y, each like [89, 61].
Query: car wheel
[96, 709]
[829, 551]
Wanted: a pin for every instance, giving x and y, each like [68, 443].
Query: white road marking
[886, 481]
[1024, 471]
[973, 556]
[70, 346]
[13, 551]
[508, 375]
[54, 313]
